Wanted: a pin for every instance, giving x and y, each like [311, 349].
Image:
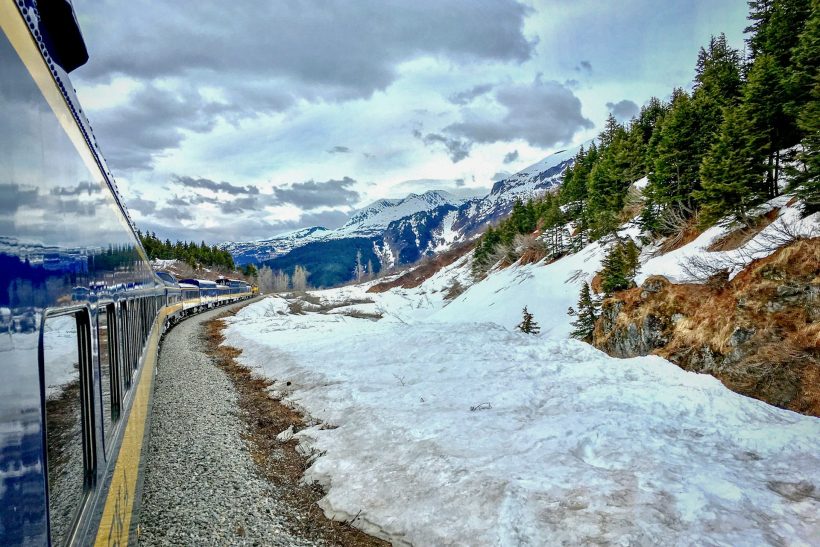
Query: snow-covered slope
[403, 230]
[451, 428]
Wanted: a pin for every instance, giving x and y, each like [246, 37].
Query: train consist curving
[81, 311]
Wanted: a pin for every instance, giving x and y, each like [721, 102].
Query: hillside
[544, 437]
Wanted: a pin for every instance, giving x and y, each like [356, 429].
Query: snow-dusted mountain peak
[379, 214]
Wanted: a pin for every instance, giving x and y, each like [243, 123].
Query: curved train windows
[66, 351]
[109, 394]
[125, 340]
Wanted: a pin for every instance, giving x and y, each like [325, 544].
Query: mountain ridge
[402, 230]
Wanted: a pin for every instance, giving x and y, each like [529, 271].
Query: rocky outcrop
[758, 333]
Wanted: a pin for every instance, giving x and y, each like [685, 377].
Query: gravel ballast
[201, 485]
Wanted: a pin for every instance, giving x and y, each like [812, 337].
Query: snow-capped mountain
[254, 252]
[380, 214]
[391, 232]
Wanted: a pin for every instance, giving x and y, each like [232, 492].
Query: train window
[66, 351]
[125, 361]
[107, 357]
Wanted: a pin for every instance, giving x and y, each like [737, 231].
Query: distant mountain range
[393, 232]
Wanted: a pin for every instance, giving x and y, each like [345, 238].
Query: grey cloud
[286, 52]
[151, 121]
[14, 196]
[312, 194]
[144, 206]
[458, 149]
[249, 227]
[465, 97]
[339, 150]
[501, 175]
[326, 50]
[584, 66]
[239, 205]
[623, 110]
[81, 188]
[544, 113]
[173, 213]
[208, 184]
[80, 207]
[187, 201]
[511, 156]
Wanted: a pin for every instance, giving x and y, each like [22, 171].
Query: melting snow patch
[572, 446]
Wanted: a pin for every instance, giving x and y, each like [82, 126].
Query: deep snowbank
[572, 446]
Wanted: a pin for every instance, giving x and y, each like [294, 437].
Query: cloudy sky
[241, 120]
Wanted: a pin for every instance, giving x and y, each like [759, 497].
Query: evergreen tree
[528, 324]
[718, 72]
[586, 315]
[676, 152]
[619, 267]
[809, 191]
[764, 105]
[805, 82]
[730, 172]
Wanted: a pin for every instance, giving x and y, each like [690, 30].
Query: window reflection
[105, 349]
[64, 424]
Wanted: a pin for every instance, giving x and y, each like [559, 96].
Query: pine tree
[585, 316]
[764, 105]
[718, 72]
[731, 174]
[676, 153]
[806, 83]
[619, 267]
[528, 324]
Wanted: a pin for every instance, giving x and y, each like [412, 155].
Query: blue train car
[81, 311]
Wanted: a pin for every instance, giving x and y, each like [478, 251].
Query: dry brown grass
[597, 283]
[530, 249]
[359, 314]
[425, 269]
[745, 233]
[688, 233]
[279, 461]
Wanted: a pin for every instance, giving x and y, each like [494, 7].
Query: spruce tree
[809, 120]
[730, 173]
[528, 324]
[585, 316]
[764, 104]
[806, 83]
[619, 267]
[718, 71]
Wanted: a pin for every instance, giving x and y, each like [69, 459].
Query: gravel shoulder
[208, 480]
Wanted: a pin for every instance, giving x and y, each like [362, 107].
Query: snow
[378, 215]
[641, 183]
[439, 424]
[572, 447]
[673, 265]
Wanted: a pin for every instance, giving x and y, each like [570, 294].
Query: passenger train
[81, 310]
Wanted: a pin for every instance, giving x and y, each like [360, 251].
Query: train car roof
[167, 278]
[187, 286]
[206, 283]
